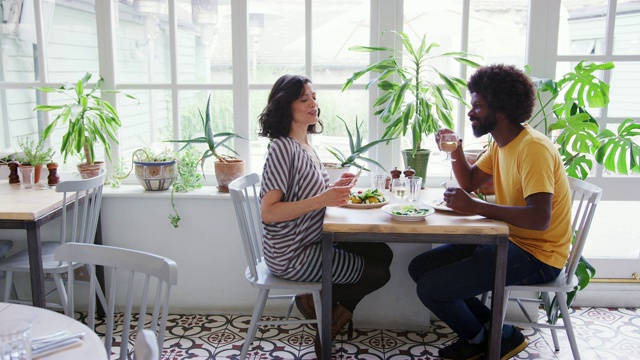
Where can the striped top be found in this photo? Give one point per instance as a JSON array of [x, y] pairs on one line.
[[292, 170]]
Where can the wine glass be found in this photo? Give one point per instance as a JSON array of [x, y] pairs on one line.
[[400, 189], [448, 144]]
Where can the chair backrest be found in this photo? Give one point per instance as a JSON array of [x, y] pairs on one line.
[[246, 201], [131, 271], [584, 198], [80, 218]]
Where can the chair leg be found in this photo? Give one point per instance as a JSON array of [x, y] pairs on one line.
[[317, 305], [564, 310], [8, 285], [253, 325], [62, 293], [554, 333]]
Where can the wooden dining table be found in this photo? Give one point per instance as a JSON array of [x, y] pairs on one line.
[[30, 209], [348, 224], [46, 322]]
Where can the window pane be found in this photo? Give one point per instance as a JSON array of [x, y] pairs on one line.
[[72, 45], [625, 78], [337, 26], [582, 27], [627, 29], [19, 119], [146, 122], [276, 39], [18, 37], [204, 42], [142, 38]]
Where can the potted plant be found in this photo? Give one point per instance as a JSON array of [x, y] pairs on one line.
[[227, 167], [155, 168], [34, 155], [409, 100], [580, 140], [89, 118], [356, 152], [188, 179]]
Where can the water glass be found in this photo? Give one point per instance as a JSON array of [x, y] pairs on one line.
[[26, 176], [379, 182], [15, 340], [415, 188]]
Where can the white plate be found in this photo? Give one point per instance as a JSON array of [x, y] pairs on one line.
[[437, 204], [366, 206], [389, 209]]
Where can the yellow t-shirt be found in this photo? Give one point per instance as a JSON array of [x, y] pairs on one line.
[[531, 164]]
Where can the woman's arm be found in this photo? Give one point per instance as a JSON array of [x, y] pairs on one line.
[[273, 209]]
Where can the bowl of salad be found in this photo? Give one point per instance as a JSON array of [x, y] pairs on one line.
[[403, 212]]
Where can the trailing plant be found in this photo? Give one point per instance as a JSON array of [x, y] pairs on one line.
[[356, 148], [188, 178]]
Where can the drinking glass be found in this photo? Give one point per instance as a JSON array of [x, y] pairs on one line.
[[379, 182], [26, 176], [415, 187], [448, 144], [15, 340], [400, 189]]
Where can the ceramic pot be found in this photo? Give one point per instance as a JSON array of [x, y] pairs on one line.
[[335, 171], [88, 171], [156, 176], [417, 162], [228, 171]]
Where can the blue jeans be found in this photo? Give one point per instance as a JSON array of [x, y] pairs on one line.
[[449, 278]]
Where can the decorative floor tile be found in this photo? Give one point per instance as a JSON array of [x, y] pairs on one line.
[[601, 334]]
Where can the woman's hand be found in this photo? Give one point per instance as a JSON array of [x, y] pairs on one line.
[[336, 195], [346, 179]]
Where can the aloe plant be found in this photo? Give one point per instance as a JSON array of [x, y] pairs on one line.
[[214, 141], [356, 148]]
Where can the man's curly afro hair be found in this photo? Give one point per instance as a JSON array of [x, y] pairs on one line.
[[506, 89]]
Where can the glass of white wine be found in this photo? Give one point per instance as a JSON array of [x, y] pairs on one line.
[[448, 144], [400, 189]]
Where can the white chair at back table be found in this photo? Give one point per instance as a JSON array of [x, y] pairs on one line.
[[585, 198], [246, 200], [79, 222], [132, 273]]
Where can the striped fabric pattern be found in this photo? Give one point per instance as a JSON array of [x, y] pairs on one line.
[[292, 248]]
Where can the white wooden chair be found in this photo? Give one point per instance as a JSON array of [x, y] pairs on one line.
[[585, 197], [78, 224], [127, 272], [246, 200]]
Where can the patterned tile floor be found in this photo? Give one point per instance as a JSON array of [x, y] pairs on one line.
[[602, 334]]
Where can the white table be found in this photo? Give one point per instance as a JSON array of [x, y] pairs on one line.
[[45, 322], [443, 227]]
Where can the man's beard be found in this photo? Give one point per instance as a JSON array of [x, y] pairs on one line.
[[485, 125]]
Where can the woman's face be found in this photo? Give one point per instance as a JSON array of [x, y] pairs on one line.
[[305, 109]]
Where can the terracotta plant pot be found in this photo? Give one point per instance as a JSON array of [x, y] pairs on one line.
[[88, 171], [228, 171]]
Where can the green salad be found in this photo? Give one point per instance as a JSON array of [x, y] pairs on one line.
[[368, 196], [410, 210]]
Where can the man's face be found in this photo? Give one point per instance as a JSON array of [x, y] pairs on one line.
[[483, 120]]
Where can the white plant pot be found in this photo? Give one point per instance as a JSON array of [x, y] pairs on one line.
[[335, 171]]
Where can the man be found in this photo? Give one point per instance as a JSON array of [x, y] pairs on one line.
[[532, 197]]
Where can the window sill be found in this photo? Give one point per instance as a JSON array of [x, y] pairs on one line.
[[137, 191]]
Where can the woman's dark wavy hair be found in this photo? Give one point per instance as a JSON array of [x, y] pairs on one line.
[[275, 120], [506, 89]]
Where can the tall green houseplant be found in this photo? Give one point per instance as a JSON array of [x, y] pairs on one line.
[[88, 117], [409, 101]]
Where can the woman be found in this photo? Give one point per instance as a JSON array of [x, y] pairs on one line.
[[294, 194]]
